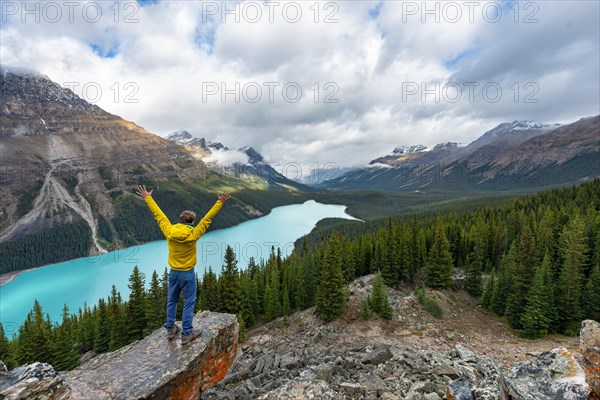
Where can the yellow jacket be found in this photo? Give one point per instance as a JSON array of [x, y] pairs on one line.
[[181, 238]]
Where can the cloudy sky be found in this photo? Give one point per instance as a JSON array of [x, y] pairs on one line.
[[316, 82]]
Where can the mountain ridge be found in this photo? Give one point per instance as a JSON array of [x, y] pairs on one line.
[[508, 156]]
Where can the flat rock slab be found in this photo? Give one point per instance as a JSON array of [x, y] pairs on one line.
[[156, 368]]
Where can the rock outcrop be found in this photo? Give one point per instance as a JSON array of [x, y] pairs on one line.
[[152, 368], [155, 368], [37, 381], [589, 340], [555, 374]]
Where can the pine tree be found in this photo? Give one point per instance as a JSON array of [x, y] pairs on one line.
[[209, 295], [5, 350], [102, 329], [34, 338], [63, 351], [155, 304], [116, 310], [536, 316], [286, 300], [486, 297], [438, 272], [476, 259], [300, 297], [229, 285], [504, 286], [136, 307], [416, 251], [273, 306], [390, 268], [331, 296], [348, 261], [247, 312], [379, 300], [573, 249], [592, 294]]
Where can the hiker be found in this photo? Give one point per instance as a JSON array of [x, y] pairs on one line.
[[181, 239]]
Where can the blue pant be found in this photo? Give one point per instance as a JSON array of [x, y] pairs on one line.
[[181, 281]]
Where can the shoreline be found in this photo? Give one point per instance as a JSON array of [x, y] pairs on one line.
[[9, 276]]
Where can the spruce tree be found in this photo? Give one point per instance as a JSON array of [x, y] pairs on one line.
[[504, 286], [229, 284], [390, 268], [573, 248], [5, 349], [286, 300], [274, 306], [65, 357], [331, 295], [535, 319], [379, 300], [118, 326], [155, 304], [592, 294], [486, 297], [209, 295], [102, 329], [136, 307], [439, 268], [476, 259], [247, 312]]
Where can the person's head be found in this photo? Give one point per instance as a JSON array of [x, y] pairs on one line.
[[187, 217]]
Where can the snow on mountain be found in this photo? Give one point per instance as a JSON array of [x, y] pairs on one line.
[[517, 131], [404, 150]]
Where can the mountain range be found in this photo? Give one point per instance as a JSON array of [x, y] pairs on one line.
[[244, 163], [511, 155], [69, 170]]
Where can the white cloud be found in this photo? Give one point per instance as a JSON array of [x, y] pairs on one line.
[[176, 51], [227, 157]]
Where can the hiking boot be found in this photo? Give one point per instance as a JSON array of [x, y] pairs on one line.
[[185, 339], [172, 331]]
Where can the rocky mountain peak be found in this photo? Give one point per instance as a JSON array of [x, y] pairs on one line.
[[179, 135], [404, 150], [517, 131], [217, 146], [28, 94], [254, 157], [446, 146]]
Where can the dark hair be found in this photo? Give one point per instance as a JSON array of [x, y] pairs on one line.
[[187, 217]]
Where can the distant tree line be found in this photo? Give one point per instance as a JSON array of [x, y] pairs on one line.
[[534, 260], [61, 243]]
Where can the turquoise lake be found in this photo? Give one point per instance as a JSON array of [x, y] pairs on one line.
[[89, 279]]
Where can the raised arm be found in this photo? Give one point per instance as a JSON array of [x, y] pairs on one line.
[[207, 220], [163, 222]]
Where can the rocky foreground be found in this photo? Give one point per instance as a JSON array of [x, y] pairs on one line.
[[151, 368], [467, 355]]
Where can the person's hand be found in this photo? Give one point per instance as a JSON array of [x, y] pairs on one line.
[[143, 192], [224, 197]]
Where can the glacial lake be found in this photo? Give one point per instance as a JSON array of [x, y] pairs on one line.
[[89, 279]]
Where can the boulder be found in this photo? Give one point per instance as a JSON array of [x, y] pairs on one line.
[[37, 381], [589, 345], [156, 368], [459, 389], [354, 390], [377, 356], [554, 375]]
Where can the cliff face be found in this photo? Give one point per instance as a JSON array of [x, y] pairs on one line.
[[68, 155], [151, 368]]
